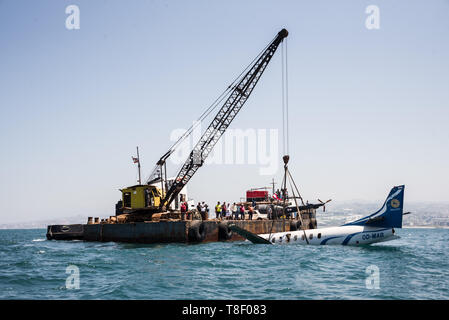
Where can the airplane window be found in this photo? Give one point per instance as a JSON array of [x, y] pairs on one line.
[[295, 237], [273, 240], [319, 235], [302, 237], [311, 236]]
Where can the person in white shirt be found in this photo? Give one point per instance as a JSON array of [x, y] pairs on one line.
[[203, 211], [234, 211], [228, 212]]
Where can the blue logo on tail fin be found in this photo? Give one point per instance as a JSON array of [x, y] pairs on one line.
[[390, 215]]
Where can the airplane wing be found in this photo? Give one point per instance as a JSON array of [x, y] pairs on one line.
[[254, 238]]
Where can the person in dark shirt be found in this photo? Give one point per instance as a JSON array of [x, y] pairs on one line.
[[223, 210], [183, 211], [242, 212]]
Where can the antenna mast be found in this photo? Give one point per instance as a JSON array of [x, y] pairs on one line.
[[138, 166]]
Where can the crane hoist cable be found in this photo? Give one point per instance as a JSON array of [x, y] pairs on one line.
[[285, 116], [283, 99], [286, 94]]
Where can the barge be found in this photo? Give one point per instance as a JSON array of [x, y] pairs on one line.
[[175, 231]]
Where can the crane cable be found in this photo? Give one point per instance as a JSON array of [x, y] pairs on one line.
[[285, 128], [286, 92]]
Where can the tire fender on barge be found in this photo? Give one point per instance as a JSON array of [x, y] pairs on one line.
[[224, 232], [197, 231]]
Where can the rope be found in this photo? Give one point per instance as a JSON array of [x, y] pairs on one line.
[[283, 100], [286, 92], [285, 117], [297, 207], [302, 201]]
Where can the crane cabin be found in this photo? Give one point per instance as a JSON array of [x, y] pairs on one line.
[[141, 197], [148, 198]]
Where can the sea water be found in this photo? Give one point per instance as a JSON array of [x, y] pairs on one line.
[[413, 267]]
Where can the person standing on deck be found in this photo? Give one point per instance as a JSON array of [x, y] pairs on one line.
[[242, 211], [223, 210], [234, 211], [218, 210], [183, 210], [228, 212], [203, 211], [188, 213], [270, 212], [250, 213]]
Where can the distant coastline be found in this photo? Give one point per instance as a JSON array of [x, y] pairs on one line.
[[6, 227], [425, 227]]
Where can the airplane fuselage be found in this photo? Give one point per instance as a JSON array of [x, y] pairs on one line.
[[344, 235]]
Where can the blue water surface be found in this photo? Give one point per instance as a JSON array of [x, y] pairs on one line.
[[413, 267]]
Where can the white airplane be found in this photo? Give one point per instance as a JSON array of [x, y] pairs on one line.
[[377, 227]]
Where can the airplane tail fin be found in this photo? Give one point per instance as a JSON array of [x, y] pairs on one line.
[[390, 215]]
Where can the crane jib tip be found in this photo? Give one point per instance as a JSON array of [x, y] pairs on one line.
[[283, 33]]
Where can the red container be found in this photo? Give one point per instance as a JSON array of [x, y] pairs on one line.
[[256, 195]]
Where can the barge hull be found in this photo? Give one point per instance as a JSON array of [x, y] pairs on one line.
[[169, 231]]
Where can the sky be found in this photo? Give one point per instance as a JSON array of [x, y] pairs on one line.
[[368, 108]]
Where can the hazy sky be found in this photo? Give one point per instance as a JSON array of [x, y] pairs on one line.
[[369, 109]]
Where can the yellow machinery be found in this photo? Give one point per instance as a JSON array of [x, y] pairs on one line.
[[141, 197]]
